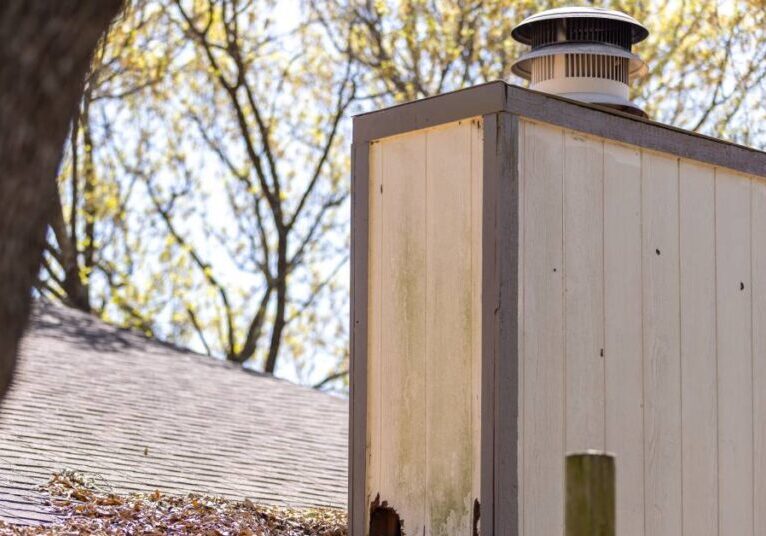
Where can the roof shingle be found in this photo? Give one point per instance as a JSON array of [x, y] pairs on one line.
[[142, 415]]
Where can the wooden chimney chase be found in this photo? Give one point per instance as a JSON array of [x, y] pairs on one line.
[[534, 276]]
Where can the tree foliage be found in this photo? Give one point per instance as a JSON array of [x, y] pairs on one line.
[[707, 59], [204, 196], [89, 240]]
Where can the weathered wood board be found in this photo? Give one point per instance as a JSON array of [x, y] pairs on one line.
[[641, 308], [424, 322], [643, 319]]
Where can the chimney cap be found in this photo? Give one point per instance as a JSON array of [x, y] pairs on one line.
[[523, 66], [523, 32]]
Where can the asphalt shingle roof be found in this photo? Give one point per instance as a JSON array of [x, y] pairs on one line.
[[141, 416]]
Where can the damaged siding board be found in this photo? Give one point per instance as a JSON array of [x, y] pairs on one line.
[[402, 322], [449, 325], [477, 171], [374, 336], [423, 345]]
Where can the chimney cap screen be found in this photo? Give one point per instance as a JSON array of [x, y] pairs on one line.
[[524, 32], [636, 66]]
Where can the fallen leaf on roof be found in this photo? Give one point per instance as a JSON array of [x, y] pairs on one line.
[[83, 507]]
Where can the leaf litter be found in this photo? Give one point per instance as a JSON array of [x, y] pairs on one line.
[[83, 506]]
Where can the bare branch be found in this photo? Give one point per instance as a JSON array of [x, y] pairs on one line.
[[198, 329], [331, 378]]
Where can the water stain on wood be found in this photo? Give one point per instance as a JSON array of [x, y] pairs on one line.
[[384, 521]]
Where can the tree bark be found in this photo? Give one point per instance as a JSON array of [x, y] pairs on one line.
[[279, 316], [45, 52]]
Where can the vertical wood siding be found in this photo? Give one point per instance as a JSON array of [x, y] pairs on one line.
[[643, 331], [424, 326], [735, 359], [542, 342], [523, 155], [623, 335], [661, 359], [758, 196], [699, 378]]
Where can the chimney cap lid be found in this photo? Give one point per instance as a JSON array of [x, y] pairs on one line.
[[523, 32]]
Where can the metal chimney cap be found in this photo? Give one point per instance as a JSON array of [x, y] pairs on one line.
[[523, 66], [523, 32]]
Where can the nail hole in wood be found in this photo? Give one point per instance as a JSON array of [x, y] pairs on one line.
[[384, 521], [657, 251], [741, 286]]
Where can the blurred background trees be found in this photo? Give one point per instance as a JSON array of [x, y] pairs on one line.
[[204, 192], [707, 59]]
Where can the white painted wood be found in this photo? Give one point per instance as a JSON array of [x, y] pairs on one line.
[[758, 226], [449, 314], [374, 338], [477, 184], [632, 251], [661, 347], [424, 318], [622, 325], [734, 334], [403, 352], [583, 292], [698, 349], [521, 440], [543, 352]]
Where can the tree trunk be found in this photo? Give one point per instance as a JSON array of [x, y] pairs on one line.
[[45, 52], [75, 293], [279, 316]]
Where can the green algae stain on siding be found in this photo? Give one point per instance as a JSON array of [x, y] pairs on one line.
[[451, 478], [449, 325], [426, 361], [403, 367], [410, 412]]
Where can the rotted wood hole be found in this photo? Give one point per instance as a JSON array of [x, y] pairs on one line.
[[384, 521], [476, 517]]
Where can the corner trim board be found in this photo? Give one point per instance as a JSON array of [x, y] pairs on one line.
[[358, 360], [500, 254], [430, 112]]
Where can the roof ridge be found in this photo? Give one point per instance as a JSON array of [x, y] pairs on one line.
[[44, 306]]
